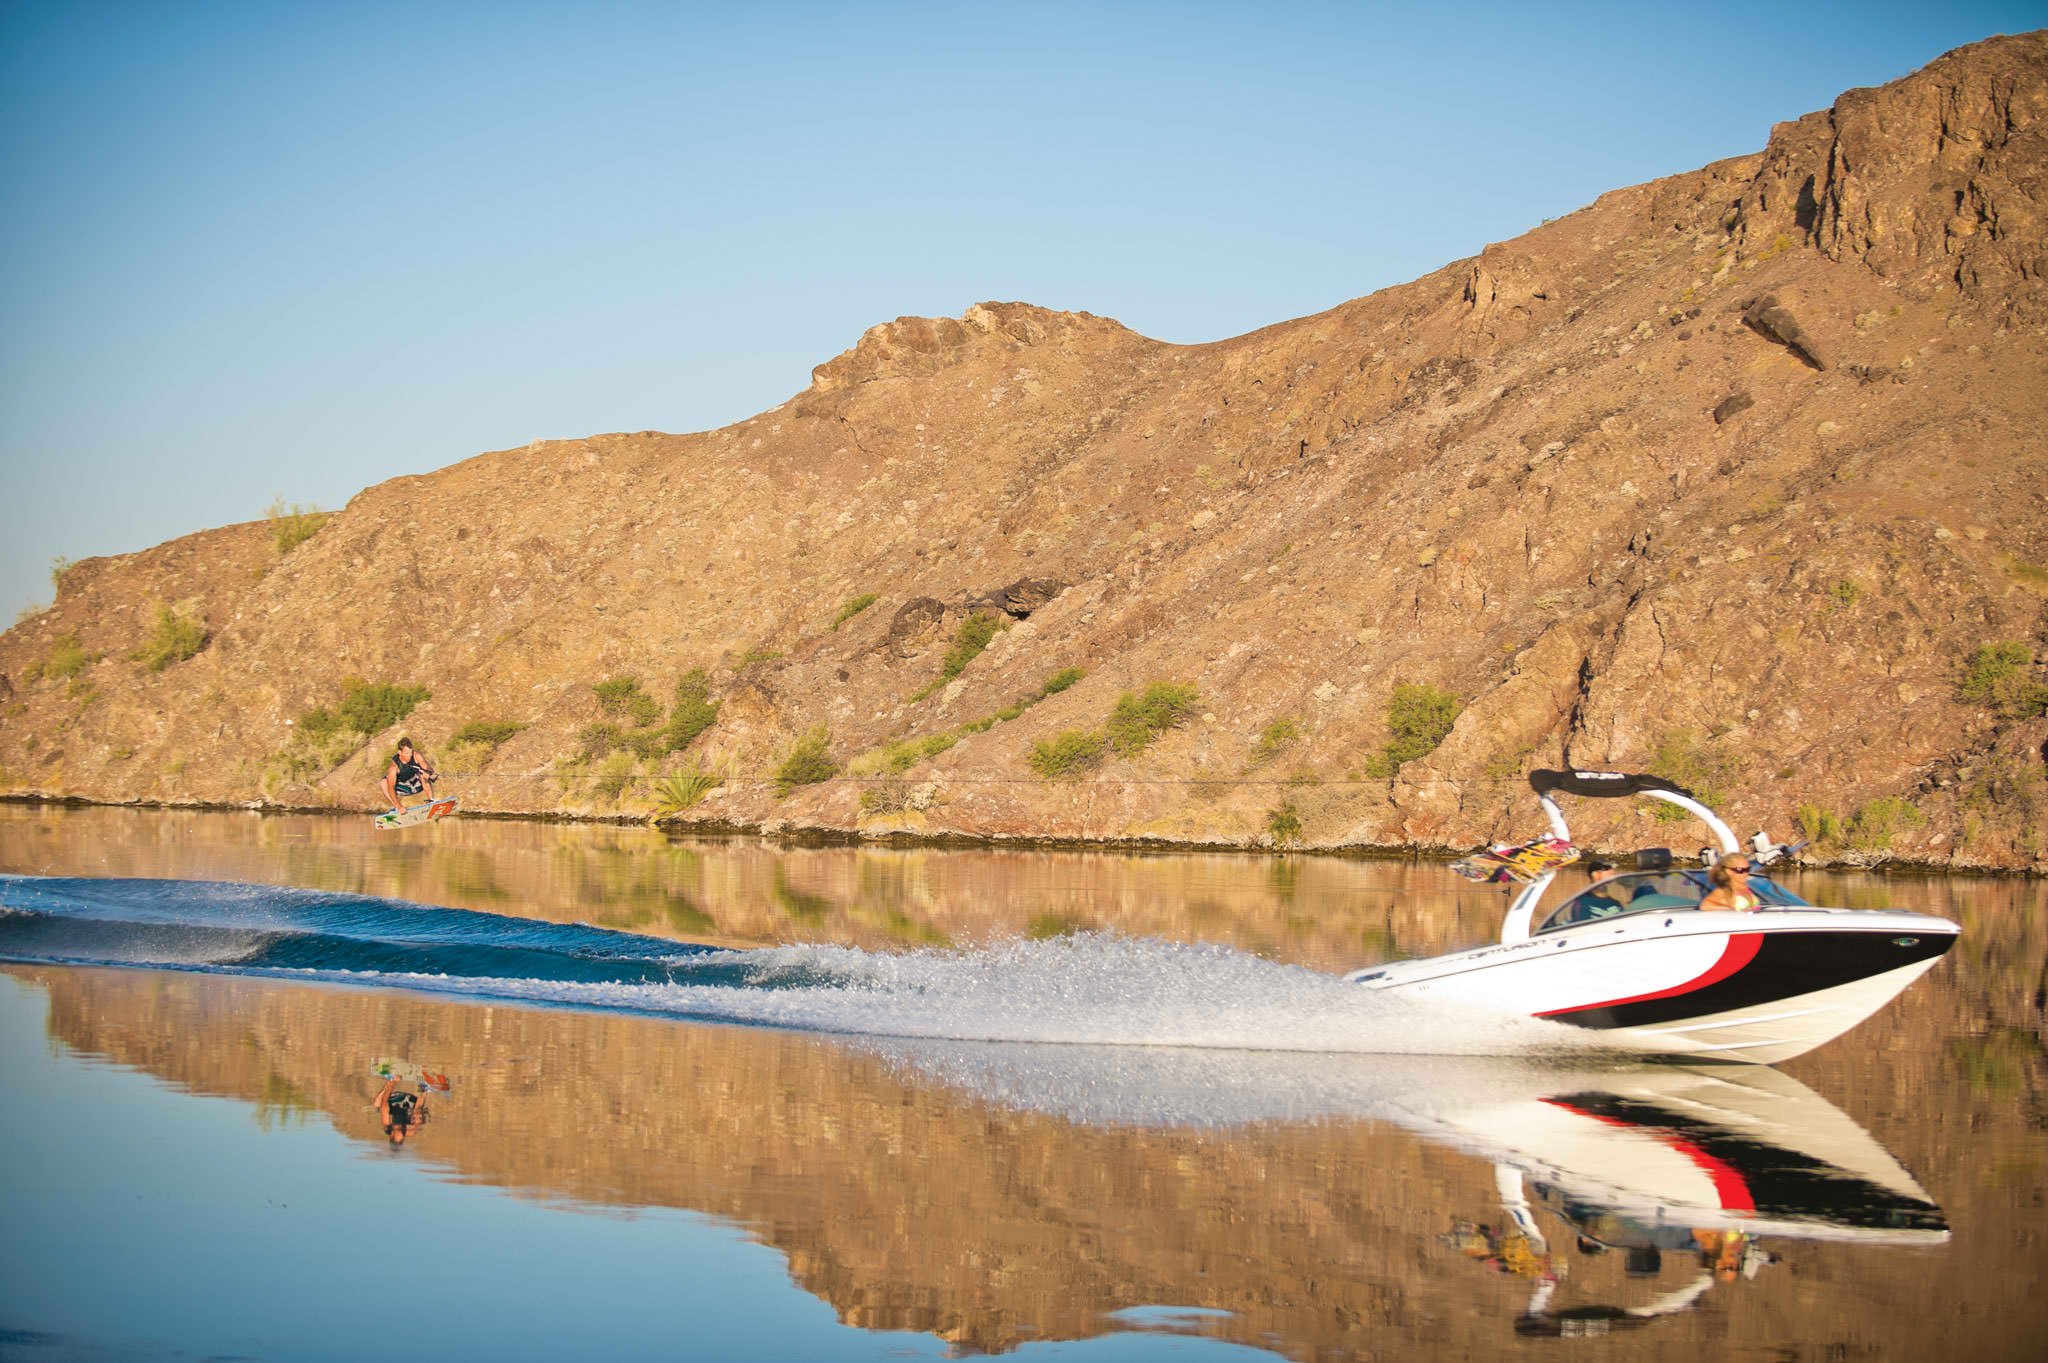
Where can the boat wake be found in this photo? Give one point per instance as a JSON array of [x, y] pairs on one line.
[[1092, 989]]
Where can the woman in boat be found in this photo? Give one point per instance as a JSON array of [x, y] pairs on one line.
[[1731, 892]]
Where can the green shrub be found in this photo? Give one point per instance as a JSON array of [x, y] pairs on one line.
[[67, 658], [693, 712], [484, 733], [319, 724], [1047, 926], [596, 740], [1138, 720], [1072, 753], [1273, 738], [1420, 716], [759, 655], [1845, 592], [1682, 756], [645, 744], [973, 636], [808, 763], [682, 791], [291, 528], [614, 776], [59, 566], [1996, 677], [177, 638], [853, 606], [1871, 827], [372, 707], [1820, 827], [621, 697], [1283, 825], [1060, 681]]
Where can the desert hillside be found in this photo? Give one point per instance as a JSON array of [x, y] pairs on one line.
[[1737, 475]]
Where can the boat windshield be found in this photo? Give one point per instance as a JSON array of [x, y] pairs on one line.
[[1644, 891]]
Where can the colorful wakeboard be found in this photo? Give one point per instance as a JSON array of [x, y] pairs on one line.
[[1517, 862], [406, 1072], [406, 818]]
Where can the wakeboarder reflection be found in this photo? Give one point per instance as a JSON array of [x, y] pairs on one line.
[[400, 1110]]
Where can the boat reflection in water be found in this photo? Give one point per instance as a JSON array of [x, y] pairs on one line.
[[1702, 1164]]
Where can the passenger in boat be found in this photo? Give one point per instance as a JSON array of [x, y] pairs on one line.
[[399, 1111], [1731, 892], [1598, 904]]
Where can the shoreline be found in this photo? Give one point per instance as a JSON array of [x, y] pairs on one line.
[[802, 836]]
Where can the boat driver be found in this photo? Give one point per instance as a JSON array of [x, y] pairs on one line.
[[409, 780], [1598, 903], [1731, 892]]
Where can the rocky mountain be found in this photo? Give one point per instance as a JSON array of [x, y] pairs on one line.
[[1737, 476]]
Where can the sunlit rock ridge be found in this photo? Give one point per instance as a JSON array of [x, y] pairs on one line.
[[1729, 474]]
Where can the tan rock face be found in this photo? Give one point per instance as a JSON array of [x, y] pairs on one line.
[[1525, 478]]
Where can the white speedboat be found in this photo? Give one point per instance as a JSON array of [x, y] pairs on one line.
[[1635, 957]]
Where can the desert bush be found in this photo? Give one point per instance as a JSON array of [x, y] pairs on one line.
[[1138, 720], [1820, 827], [1684, 757], [614, 775], [319, 724], [1872, 825], [485, 732], [809, 762], [1070, 754], [968, 644], [1996, 676], [67, 658], [1283, 825], [622, 698], [853, 606], [1845, 592], [1060, 681], [693, 712], [177, 638], [1273, 738], [59, 566], [372, 707], [290, 528], [674, 794], [1420, 716], [597, 740]]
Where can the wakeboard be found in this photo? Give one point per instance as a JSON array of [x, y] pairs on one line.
[[406, 818], [406, 1072], [1517, 862]]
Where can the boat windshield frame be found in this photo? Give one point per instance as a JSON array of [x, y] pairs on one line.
[[1670, 891]]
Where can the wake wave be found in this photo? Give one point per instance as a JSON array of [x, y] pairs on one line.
[[1093, 989]]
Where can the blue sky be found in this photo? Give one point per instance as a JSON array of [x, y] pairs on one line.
[[255, 251]]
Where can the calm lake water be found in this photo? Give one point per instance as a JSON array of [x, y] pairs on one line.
[[719, 1099]]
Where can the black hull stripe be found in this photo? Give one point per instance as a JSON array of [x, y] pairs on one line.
[[1786, 965]]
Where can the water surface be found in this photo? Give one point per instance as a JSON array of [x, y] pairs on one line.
[[904, 1126]]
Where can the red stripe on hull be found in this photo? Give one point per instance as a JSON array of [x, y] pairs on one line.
[[1729, 1184], [1739, 952]]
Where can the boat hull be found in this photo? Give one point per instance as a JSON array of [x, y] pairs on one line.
[[1760, 987]]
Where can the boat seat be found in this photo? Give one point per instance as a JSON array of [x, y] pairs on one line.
[[1660, 901]]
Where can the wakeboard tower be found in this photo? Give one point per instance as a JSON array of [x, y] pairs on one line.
[[1635, 958]]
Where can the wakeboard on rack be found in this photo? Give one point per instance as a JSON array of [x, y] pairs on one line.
[[1517, 862], [406, 818]]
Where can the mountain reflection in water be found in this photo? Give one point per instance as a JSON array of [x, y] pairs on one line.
[[1001, 1195]]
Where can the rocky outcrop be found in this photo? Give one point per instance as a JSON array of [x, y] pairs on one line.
[[1731, 474]]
